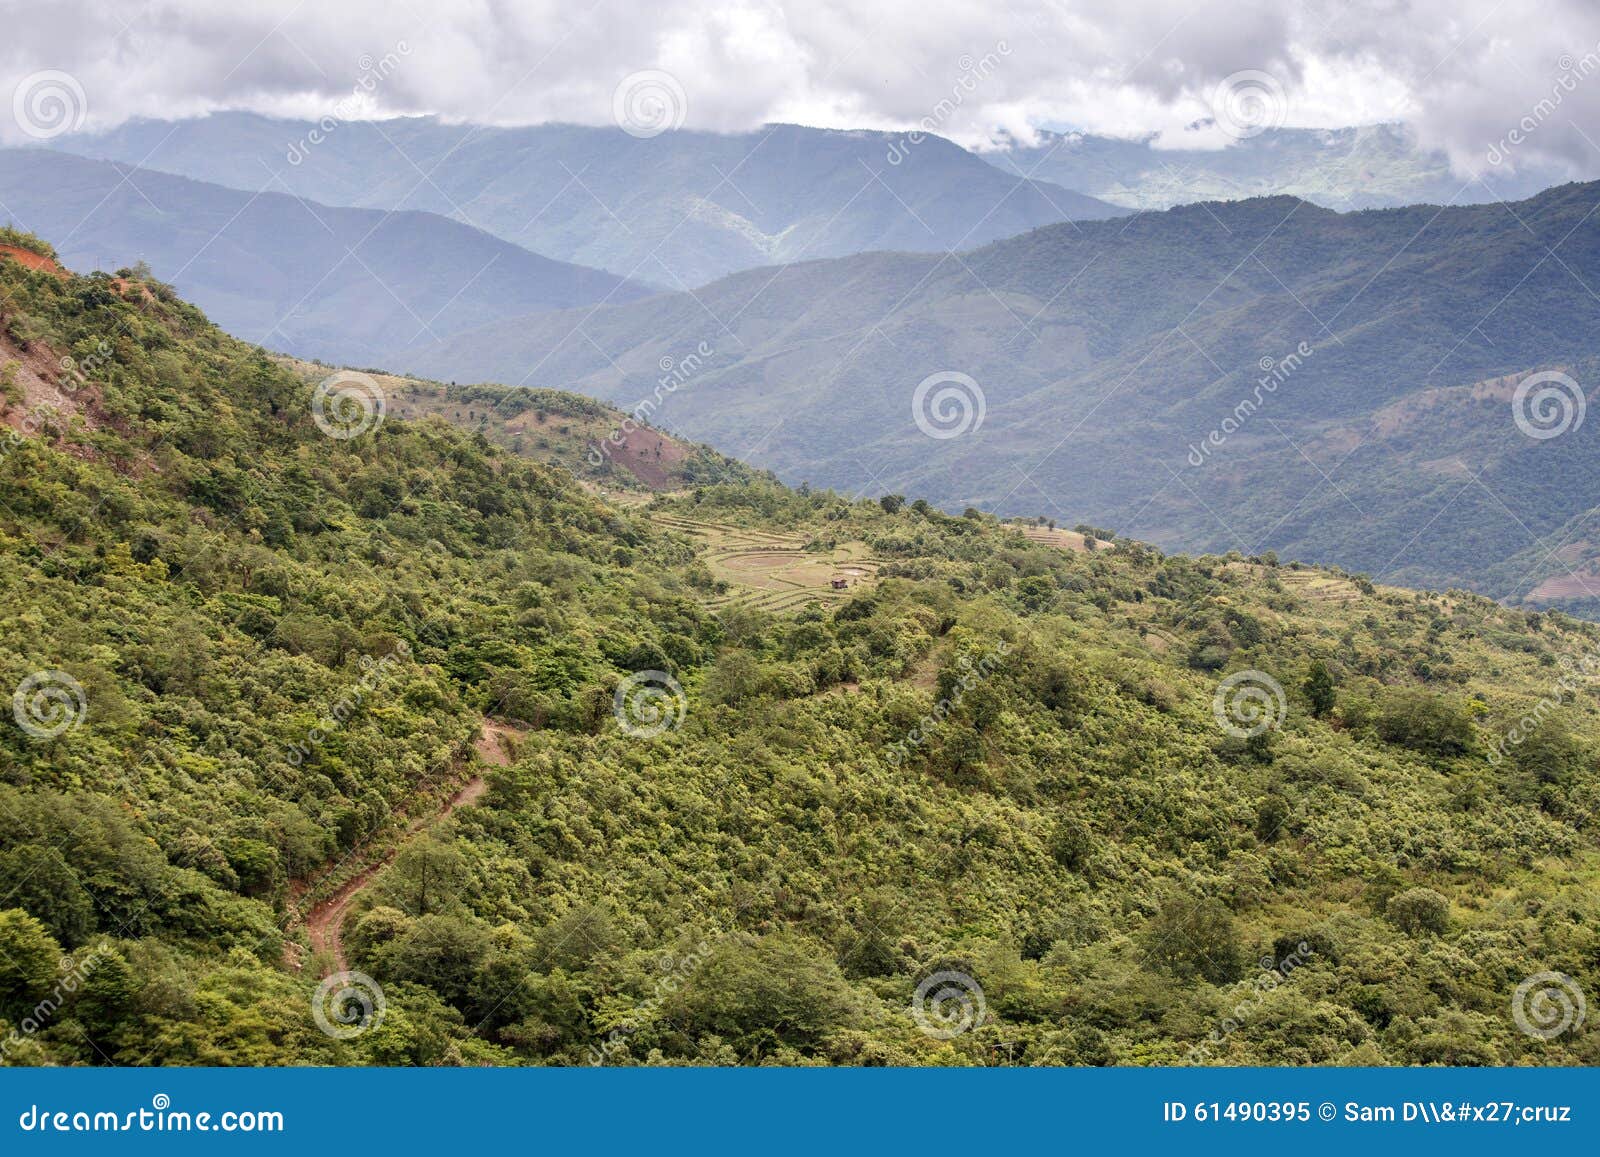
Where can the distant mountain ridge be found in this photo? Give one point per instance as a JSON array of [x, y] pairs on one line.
[[346, 285], [679, 209], [1366, 167], [1105, 351]]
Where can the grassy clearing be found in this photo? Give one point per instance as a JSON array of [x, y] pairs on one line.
[[775, 571]]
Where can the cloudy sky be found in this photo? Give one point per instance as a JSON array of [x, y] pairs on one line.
[[1463, 73]]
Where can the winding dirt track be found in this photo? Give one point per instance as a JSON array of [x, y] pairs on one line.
[[325, 921]]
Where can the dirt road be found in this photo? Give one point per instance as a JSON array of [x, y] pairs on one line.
[[325, 921]]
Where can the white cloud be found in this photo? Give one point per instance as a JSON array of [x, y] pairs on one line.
[[1464, 73]]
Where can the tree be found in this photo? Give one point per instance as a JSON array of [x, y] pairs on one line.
[[29, 957], [1191, 936], [35, 878], [1319, 689], [443, 953], [1420, 911], [1427, 723], [892, 503], [781, 988]]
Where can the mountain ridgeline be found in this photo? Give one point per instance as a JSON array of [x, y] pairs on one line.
[[353, 286], [676, 209], [1368, 167], [255, 633], [1256, 375]]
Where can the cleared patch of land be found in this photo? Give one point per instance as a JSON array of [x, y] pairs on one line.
[[776, 572], [1054, 536]]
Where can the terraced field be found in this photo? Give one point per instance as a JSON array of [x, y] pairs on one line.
[[1054, 536], [1319, 587], [776, 572]]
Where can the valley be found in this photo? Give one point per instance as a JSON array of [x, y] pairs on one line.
[[1100, 354], [749, 539], [1098, 780]]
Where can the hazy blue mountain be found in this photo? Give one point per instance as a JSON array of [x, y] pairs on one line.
[[680, 209], [1108, 351], [348, 285], [1376, 166]]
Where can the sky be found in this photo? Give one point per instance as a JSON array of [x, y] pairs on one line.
[[1471, 77]]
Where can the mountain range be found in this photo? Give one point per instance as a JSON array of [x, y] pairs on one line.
[[311, 695], [1362, 167], [678, 209], [352, 285], [1106, 352]]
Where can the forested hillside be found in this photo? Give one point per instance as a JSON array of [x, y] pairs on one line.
[[1256, 375], [984, 799]]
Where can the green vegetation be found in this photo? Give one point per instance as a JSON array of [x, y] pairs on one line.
[[285, 643], [596, 442], [16, 238], [1358, 370]]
